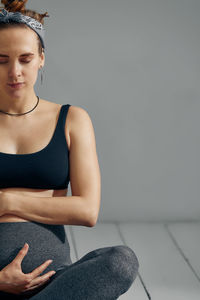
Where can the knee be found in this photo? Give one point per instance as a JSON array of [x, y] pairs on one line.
[[123, 264]]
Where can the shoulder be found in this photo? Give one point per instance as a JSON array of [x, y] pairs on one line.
[[78, 121], [78, 124], [77, 116]]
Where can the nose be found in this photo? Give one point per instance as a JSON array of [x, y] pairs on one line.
[[15, 70]]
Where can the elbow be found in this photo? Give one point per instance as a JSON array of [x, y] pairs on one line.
[[92, 219], [92, 213], [92, 223]]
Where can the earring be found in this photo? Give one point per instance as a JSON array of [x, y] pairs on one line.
[[42, 73]]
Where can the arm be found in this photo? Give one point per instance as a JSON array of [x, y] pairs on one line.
[[49, 210], [83, 206]]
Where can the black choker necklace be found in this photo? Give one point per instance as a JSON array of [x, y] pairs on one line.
[[22, 113]]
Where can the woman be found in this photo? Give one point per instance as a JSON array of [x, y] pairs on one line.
[[43, 145]]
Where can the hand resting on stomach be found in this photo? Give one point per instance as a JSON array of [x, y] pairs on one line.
[[29, 192]]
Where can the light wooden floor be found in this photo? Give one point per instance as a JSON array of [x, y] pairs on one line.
[[168, 255]]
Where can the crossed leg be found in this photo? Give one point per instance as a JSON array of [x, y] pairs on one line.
[[104, 273]]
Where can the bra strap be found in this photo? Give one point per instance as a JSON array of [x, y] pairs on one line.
[[64, 112]]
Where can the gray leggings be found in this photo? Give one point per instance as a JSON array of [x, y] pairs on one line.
[[104, 273]]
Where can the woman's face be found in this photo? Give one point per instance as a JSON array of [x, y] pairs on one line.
[[19, 60]]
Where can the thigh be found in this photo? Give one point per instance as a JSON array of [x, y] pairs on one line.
[[104, 273], [71, 273]]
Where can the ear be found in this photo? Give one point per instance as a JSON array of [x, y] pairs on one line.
[[42, 59]]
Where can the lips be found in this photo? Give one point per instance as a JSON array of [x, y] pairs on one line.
[[15, 85]]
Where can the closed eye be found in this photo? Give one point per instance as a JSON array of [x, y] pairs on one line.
[[5, 62]]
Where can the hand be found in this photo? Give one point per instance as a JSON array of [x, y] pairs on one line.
[[14, 281]]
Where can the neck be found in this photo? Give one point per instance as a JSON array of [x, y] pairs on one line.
[[18, 104]]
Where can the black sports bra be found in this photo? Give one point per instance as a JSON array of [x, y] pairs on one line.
[[44, 169]]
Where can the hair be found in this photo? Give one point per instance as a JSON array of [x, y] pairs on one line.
[[19, 6]]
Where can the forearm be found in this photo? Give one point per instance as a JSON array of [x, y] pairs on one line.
[[71, 210]]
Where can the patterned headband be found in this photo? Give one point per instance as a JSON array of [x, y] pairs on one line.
[[8, 17]]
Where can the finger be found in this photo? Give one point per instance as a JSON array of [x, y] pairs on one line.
[[36, 285], [41, 268], [39, 280], [22, 253]]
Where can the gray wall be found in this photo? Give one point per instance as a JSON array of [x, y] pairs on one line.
[[134, 67]]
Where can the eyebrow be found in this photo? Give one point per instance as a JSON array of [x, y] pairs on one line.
[[24, 54]]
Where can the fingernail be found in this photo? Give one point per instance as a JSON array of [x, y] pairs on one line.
[[50, 261]]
